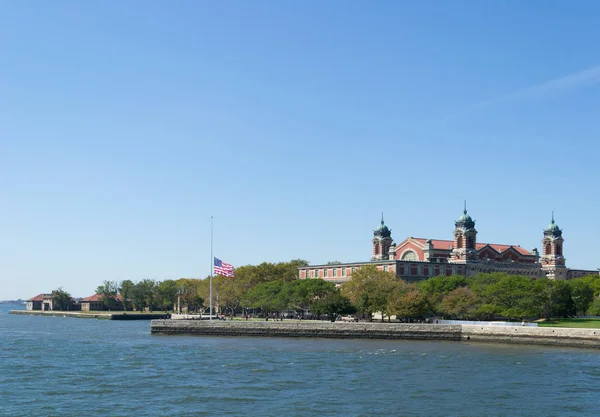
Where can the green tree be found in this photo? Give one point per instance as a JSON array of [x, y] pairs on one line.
[[267, 296], [301, 294], [369, 290], [510, 296], [166, 294], [288, 271], [441, 285], [108, 293], [594, 308], [461, 303], [408, 302], [582, 294], [125, 291], [594, 282], [333, 304], [435, 288], [563, 305], [228, 293], [142, 294], [189, 291], [62, 300], [553, 298]]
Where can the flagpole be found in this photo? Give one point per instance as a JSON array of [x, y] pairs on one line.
[[212, 263]]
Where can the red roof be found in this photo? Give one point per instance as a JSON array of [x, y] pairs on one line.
[[446, 245], [97, 298], [39, 297], [437, 243], [502, 248]]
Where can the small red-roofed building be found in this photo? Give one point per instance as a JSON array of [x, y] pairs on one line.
[[95, 303], [35, 303]]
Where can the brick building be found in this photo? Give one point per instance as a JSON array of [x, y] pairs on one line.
[[416, 259], [96, 303]]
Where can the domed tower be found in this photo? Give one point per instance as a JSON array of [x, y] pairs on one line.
[[465, 239], [382, 241], [553, 261]]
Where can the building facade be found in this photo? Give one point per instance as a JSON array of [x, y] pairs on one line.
[[96, 303], [35, 303], [416, 259]]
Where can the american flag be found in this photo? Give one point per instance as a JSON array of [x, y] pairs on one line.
[[222, 268]]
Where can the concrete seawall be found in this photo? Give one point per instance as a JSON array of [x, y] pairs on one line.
[[586, 338], [306, 329], [91, 315], [76, 314], [549, 336]]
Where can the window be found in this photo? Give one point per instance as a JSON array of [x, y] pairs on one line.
[[385, 268], [335, 272], [409, 256]]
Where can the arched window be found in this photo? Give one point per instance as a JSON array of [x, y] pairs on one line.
[[548, 249], [559, 250], [470, 242], [459, 242], [409, 256]]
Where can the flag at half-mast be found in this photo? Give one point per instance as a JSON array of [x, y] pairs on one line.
[[223, 268]]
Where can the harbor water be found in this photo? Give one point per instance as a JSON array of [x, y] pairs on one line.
[[55, 366]]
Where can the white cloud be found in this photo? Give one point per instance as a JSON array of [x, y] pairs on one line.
[[573, 81]]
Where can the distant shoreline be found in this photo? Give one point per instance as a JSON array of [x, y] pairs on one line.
[[546, 336]]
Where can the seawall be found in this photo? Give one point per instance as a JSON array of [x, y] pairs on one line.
[[549, 336], [565, 337], [338, 330], [91, 315]]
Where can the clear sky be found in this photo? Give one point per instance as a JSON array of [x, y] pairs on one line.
[[124, 125]]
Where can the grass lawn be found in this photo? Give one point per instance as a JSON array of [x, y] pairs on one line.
[[580, 323]]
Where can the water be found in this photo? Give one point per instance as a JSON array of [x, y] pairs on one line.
[[54, 366]]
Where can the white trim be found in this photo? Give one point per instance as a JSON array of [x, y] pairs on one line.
[[409, 260]]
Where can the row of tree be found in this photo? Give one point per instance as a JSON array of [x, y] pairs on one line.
[[481, 297], [275, 288], [190, 294]]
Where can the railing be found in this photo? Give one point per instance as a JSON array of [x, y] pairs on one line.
[[486, 323]]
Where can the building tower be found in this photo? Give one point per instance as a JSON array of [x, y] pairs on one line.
[[553, 261], [465, 239], [382, 241]]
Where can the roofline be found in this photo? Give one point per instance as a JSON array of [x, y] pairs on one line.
[[387, 261]]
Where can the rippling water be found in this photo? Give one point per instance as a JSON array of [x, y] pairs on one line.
[[54, 366]]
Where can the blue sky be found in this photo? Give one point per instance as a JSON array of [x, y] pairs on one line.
[[125, 125]]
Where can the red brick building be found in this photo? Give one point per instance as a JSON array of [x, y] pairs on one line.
[[96, 303], [420, 258], [35, 303], [43, 302]]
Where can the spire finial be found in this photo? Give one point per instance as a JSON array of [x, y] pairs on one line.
[[552, 216], [465, 210], [382, 217]]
